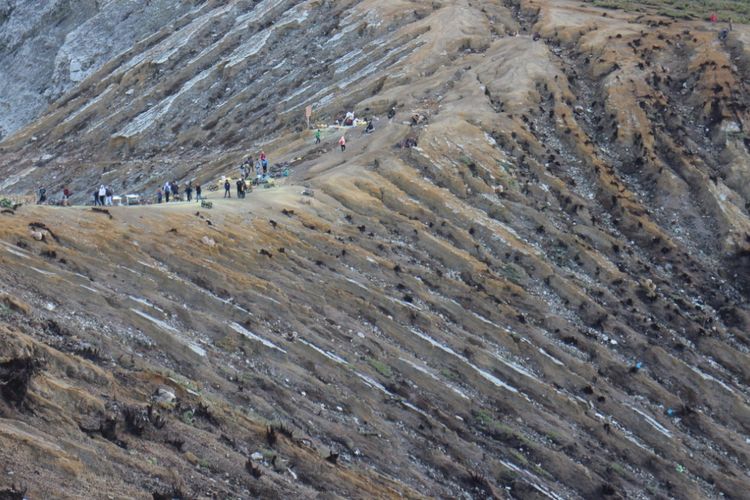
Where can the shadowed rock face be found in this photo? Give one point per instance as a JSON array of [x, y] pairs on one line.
[[545, 297], [49, 46]]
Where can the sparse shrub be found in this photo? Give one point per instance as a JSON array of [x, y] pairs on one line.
[[381, 367]]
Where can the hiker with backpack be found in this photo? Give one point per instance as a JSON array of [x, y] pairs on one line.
[[42, 195], [240, 188], [167, 191], [108, 196], [175, 191]]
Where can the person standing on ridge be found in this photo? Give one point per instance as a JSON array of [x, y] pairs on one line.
[[109, 196], [167, 191], [198, 192], [189, 190], [227, 189], [175, 191], [240, 190], [102, 194], [159, 195], [42, 195], [264, 162], [66, 197], [342, 143]]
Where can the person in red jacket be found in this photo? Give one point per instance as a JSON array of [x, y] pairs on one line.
[[342, 143], [264, 162]]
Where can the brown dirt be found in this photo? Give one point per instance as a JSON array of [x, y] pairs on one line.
[[547, 297]]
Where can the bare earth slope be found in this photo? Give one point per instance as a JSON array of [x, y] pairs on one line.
[[546, 297]]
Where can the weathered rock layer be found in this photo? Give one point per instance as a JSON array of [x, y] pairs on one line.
[[546, 296]]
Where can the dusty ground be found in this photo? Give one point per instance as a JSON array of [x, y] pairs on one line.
[[547, 297]]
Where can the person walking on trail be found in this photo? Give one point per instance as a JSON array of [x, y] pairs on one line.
[[108, 197], [317, 136], [342, 143], [227, 189], [102, 194], [175, 191], [159, 195], [198, 192], [189, 191], [264, 162], [96, 197], [240, 188], [42, 195], [167, 191]]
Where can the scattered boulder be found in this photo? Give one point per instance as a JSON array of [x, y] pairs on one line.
[[164, 396]]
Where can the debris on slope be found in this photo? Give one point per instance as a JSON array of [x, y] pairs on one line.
[[543, 295]]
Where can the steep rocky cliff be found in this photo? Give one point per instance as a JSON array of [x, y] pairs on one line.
[[530, 281]]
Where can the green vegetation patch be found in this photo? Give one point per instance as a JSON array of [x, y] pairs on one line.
[[381, 367]]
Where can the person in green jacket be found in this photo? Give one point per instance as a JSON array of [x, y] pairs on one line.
[[317, 136]]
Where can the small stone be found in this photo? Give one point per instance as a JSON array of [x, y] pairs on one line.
[[257, 456]]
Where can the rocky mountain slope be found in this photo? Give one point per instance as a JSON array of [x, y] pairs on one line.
[[536, 288]]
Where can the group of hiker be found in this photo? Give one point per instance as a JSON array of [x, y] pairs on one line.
[[103, 196], [348, 121], [64, 201], [260, 165], [243, 185], [171, 191], [242, 188]]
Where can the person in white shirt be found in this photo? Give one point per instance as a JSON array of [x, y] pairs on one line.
[[102, 194]]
